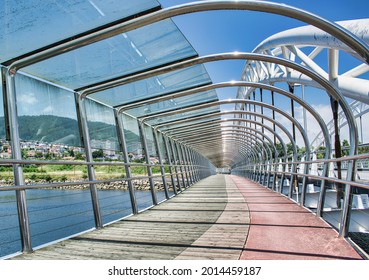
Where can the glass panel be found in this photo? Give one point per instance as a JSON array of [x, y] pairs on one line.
[[9, 225], [30, 25], [176, 103], [114, 203], [133, 142], [151, 145], [154, 86], [166, 163], [56, 213], [182, 116], [162, 148], [47, 115], [101, 126], [2, 120], [144, 198], [120, 55], [189, 123]]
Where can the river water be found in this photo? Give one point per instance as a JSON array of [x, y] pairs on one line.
[[56, 214]]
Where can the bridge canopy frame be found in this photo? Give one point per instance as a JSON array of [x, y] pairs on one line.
[[194, 103]]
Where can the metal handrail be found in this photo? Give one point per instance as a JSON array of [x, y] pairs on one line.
[[76, 183]]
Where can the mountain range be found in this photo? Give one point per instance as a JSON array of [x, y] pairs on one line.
[[62, 130]]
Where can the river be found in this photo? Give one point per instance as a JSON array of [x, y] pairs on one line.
[[56, 214]]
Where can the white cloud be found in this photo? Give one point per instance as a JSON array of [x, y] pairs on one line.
[[48, 110], [28, 98], [313, 128]]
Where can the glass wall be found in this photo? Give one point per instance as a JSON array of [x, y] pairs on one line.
[[136, 156], [42, 119], [132, 135], [102, 129], [9, 225], [113, 197]]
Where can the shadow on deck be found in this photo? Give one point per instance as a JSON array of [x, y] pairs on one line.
[[221, 217]]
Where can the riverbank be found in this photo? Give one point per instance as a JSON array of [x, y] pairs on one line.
[[139, 184]]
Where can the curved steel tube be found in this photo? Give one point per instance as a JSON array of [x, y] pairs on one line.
[[243, 101], [258, 115], [330, 88], [241, 130], [260, 124], [275, 8], [220, 139], [258, 151]]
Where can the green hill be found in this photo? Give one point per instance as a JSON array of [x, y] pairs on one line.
[[61, 130]]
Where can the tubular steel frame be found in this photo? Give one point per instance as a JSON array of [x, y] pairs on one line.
[[184, 153]]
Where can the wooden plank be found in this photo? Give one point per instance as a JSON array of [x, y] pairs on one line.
[[210, 220]]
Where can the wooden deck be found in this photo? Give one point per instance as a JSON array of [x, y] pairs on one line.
[[221, 217], [207, 221]]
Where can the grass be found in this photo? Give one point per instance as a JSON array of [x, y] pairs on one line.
[[61, 173]]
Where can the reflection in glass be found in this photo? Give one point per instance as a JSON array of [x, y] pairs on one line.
[[154, 86], [131, 133], [30, 25], [151, 145], [183, 116], [102, 129], [46, 114], [2, 120], [175, 103], [117, 56]]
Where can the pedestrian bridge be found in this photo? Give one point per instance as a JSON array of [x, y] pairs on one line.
[[116, 143], [220, 217]]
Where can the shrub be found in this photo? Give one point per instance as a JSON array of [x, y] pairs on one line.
[[48, 178]]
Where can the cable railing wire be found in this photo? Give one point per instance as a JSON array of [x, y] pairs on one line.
[[49, 227]]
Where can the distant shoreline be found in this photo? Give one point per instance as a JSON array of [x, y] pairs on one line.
[[141, 185]]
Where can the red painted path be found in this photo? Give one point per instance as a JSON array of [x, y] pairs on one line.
[[281, 229]]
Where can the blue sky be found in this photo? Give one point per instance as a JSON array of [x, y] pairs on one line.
[[227, 31]]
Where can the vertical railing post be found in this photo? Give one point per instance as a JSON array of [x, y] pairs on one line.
[[12, 116], [194, 168], [323, 187], [162, 170], [190, 165], [201, 169], [196, 162], [181, 162], [198, 174], [147, 158], [82, 116], [185, 162], [170, 164], [175, 162], [123, 149]]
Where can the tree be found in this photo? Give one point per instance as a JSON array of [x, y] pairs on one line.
[[71, 153], [321, 152], [98, 153], [79, 156], [345, 148], [364, 150], [24, 153]]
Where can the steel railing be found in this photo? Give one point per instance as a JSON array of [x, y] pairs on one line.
[[47, 209]]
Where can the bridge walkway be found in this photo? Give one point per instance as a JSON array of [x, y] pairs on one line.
[[220, 217]]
